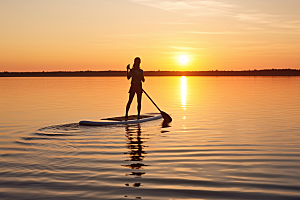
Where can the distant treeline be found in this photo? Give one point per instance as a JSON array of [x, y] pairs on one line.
[[88, 73]]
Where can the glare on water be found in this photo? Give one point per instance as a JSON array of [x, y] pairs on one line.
[[183, 92]]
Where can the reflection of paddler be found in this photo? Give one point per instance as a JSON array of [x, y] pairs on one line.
[[137, 77], [135, 146], [135, 166]]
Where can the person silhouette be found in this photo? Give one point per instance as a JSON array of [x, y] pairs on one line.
[[137, 77]]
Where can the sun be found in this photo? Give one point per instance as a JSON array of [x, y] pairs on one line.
[[183, 59]]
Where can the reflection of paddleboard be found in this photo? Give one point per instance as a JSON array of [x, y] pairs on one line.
[[132, 119]]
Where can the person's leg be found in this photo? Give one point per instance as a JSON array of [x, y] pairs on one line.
[[139, 102], [131, 95]]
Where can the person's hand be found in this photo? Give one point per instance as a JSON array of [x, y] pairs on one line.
[[128, 66]]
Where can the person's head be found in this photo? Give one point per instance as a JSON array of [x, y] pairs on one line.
[[137, 62]]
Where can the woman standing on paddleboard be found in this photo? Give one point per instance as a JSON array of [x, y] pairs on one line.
[[137, 76]]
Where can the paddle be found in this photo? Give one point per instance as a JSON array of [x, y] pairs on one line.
[[166, 117]]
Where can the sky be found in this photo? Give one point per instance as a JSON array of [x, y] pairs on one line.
[[79, 35]]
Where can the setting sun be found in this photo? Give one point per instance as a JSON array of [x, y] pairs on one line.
[[183, 59]]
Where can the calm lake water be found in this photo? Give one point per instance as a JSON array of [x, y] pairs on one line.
[[231, 138]]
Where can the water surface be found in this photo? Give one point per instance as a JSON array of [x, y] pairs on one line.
[[231, 138]]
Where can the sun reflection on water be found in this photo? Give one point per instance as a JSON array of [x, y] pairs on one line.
[[183, 92]]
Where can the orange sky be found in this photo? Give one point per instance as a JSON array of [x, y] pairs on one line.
[[52, 35]]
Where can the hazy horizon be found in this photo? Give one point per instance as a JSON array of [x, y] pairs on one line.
[[150, 70]]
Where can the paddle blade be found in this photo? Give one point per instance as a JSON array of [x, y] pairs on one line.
[[165, 124], [166, 117]]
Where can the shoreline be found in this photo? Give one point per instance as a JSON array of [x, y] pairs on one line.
[[265, 72]]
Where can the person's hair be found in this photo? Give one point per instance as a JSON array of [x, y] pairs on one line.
[[136, 63]]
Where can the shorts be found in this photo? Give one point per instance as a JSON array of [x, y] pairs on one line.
[[135, 88]]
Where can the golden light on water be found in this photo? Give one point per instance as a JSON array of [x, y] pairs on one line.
[[183, 92]]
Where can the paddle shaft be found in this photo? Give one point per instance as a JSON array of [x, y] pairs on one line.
[[152, 100]]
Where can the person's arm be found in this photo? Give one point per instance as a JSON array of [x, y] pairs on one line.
[[128, 72], [143, 78]]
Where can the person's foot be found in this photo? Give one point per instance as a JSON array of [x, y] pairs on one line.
[[138, 117]]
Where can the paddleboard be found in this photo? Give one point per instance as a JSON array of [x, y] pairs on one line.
[[132, 119]]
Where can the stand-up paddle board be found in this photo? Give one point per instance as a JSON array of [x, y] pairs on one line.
[[132, 119]]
